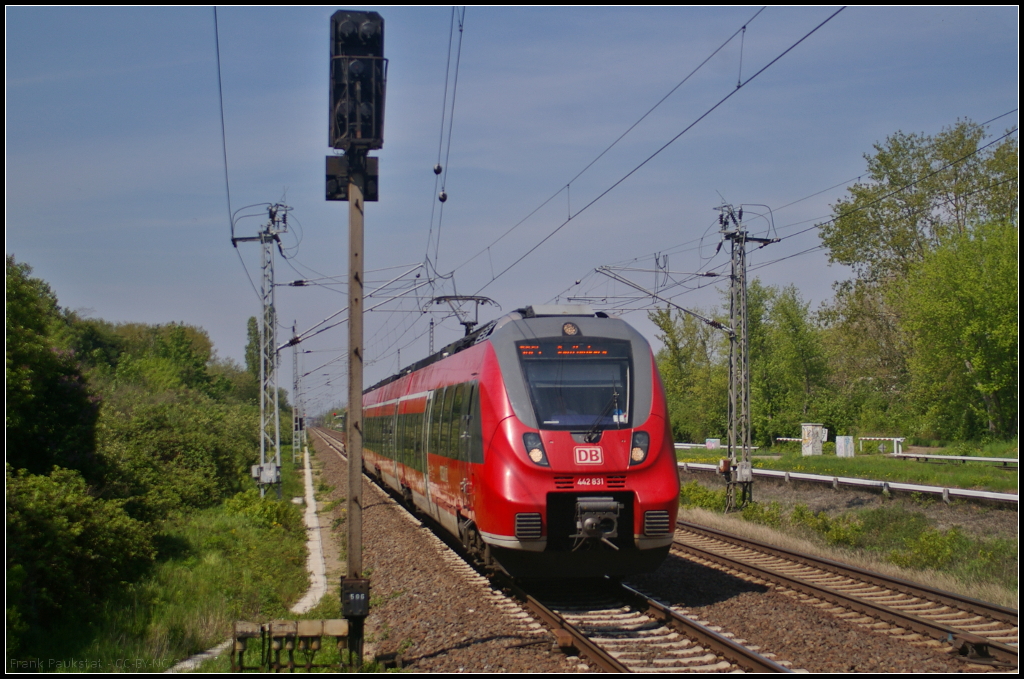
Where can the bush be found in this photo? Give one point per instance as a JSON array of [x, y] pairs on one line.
[[170, 451], [695, 495], [265, 512], [933, 549], [842, 530], [768, 515], [50, 414], [66, 550]]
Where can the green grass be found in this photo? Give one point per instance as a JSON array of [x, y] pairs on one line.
[[293, 476], [980, 476], [893, 533], [243, 560]]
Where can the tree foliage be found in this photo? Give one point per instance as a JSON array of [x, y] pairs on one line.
[[959, 307], [50, 415], [787, 363], [695, 375], [917, 338], [252, 348], [174, 451], [787, 360], [111, 429], [66, 549], [922, 191]]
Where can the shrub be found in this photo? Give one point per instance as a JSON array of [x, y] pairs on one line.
[[67, 550], [932, 549], [693, 494], [768, 515], [266, 512], [841, 530]]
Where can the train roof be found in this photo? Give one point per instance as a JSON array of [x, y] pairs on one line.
[[482, 333]]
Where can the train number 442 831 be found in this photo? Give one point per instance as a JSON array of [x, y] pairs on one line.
[[590, 481]]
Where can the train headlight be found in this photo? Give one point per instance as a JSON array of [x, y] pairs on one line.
[[641, 444], [535, 449]]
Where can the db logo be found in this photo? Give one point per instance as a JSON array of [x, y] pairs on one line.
[[589, 455]]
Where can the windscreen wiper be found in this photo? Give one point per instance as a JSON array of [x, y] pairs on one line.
[[592, 436]]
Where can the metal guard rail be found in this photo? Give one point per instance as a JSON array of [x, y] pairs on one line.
[[884, 486]]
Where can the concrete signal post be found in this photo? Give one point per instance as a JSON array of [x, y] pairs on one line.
[[356, 126]]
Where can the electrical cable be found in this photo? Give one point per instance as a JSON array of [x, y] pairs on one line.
[[666, 145], [438, 168], [674, 250], [224, 149], [617, 140]]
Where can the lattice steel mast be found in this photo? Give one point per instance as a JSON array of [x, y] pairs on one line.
[[268, 472], [739, 475]]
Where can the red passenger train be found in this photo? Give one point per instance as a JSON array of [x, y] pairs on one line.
[[541, 440]]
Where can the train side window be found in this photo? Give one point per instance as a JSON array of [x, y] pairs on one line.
[[368, 443], [406, 440], [400, 438], [446, 422], [428, 426]]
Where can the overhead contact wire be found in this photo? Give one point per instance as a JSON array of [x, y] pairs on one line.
[[665, 146], [440, 136], [617, 140]]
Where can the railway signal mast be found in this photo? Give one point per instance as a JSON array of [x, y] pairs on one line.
[[268, 471], [737, 469], [355, 127]]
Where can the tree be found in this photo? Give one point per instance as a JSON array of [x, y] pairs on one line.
[[51, 415], [252, 348], [925, 195], [694, 368], [787, 362], [922, 191], [959, 306]]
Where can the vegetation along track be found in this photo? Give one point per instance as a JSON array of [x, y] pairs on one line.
[[979, 631]]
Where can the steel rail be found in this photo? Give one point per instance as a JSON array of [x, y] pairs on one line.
[[570, 635], [722, 645], [566, 634], [975, 647], [965, 603]]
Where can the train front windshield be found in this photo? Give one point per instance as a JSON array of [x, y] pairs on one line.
[[579, 385]]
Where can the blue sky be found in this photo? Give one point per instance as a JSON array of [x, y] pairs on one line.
[[115, 175]]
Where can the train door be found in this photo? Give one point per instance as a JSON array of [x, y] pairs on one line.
[[469, 422], [391, 441], [432, 402], [451, 473], [436, 471]]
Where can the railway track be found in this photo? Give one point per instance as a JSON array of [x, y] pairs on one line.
[[619, 629], [978, 631], [624, 630]]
